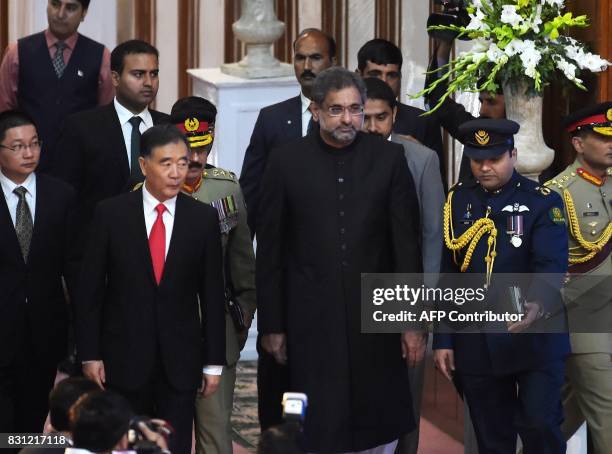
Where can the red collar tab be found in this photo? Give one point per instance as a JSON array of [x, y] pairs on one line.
[[590, 177], [191, 189]]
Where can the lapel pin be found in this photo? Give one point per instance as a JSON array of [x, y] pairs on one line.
[[79, 73]]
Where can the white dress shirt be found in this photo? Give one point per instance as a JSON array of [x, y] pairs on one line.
[[12, 199], [126, 127], [306, 115], [150, 214]]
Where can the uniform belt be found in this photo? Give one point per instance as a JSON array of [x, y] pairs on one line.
[[581, 268]]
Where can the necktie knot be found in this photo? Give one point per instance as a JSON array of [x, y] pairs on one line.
[[160, 209], [135, 122], [20, 191], [60, 46]]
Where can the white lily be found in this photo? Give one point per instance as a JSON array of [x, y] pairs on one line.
[[510, 16]]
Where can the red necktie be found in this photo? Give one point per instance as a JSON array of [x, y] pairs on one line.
[[157, 243]]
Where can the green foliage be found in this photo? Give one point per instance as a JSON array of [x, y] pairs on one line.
[[517, 41]]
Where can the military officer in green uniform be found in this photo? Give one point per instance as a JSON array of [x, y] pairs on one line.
[[196, 118], [586, 189]]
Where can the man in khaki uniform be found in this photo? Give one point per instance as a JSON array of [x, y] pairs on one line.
[[586, 189], [196, 118]]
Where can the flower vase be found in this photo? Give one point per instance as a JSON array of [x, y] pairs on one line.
[[533, 156]]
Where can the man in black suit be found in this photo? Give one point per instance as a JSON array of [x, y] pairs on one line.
[[335, 204], [382, 59], [150, 315], [35, 225], [277, 124], [98, 149], [314, 51]]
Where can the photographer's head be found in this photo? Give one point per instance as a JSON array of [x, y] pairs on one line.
[[380, 108], [282, 439], [61, 399], [381, 59], [100, 422]]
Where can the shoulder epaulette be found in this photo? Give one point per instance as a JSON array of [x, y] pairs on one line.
[[561, 181], [220, 174], [462, 184], [543, 190], [526, 185]]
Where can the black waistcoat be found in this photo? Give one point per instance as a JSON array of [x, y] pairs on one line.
[[49, 99]]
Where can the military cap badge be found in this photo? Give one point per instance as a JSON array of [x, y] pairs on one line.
[[198, 132], [482, 137], [191, 124]]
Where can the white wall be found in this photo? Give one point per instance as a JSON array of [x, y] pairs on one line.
[[166, 41], [212, 20], [360, 27], [309, 14], [415, 49]]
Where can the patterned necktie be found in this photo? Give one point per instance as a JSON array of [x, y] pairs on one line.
[[58, 59], [157, 243], [135, 147], [23, 222]]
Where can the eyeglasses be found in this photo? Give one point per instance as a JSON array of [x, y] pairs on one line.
[[20, 147], [353, 109]]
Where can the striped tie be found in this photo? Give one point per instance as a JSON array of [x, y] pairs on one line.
[[58, 59]]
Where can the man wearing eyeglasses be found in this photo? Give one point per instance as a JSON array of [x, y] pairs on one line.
[[35, 213], [335, 204]]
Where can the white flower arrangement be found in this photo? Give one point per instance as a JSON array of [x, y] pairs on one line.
[[517, 41]]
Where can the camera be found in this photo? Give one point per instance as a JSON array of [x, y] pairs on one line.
[[139, 442], [453, 13], [294, 407]]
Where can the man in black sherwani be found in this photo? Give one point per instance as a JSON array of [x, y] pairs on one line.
[[335, 204]]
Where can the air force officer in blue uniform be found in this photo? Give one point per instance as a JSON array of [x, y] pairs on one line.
[[511, 380]]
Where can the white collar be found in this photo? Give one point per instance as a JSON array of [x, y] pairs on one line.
[[150, 202], [305, 102], [9, 185], [125, 115]]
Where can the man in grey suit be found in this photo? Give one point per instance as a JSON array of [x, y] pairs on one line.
[[380, 111], [379, 115]]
